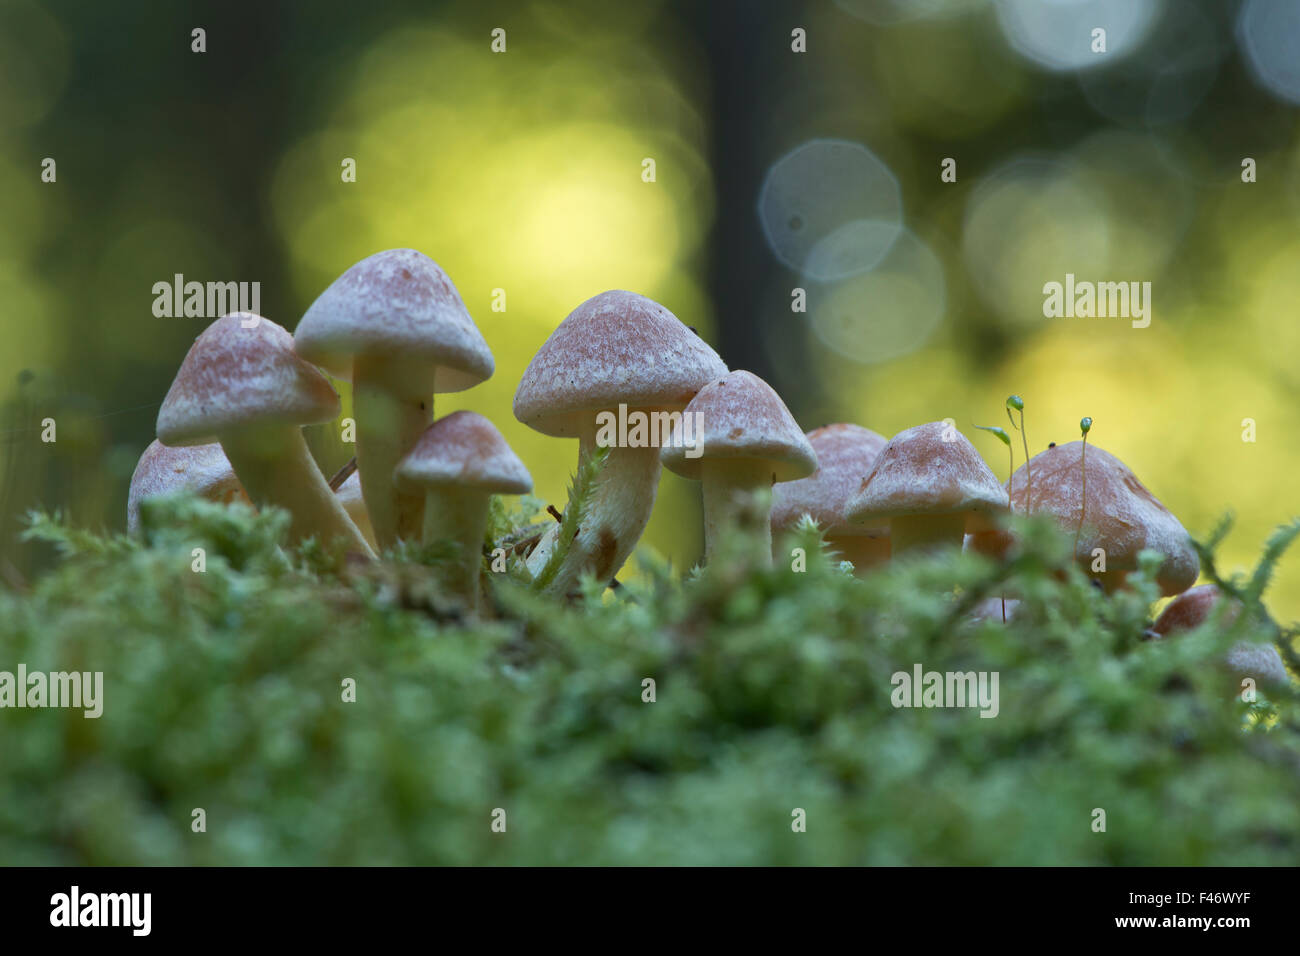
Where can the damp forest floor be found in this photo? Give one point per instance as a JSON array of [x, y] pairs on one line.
[[228, 691]]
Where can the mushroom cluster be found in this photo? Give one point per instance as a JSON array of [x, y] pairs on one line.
[[395, 327]]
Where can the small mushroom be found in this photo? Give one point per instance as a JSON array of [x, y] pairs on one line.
[[395, 327], [1193, 608], [932, 487], [845, 455], [735, 437], [201, 469], [1123, 517], [349, 495], [458, 464], [625, 355], [246, 388]]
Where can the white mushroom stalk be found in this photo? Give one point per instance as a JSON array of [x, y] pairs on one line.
[[277, 468], [459, 515], [388, 426], [617, 514], [728, 489]]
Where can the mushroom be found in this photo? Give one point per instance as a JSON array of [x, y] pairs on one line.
[[1193, 608], [845, 455], [1123, 518], [349, 495], [246, 388], [395, 327], [458, 464], [735, 437], [201, 469], [618, 357], [932, 487]]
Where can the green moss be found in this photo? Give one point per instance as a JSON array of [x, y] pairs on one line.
[[223, 691]]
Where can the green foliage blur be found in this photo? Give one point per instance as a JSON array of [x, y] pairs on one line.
[[223, 690]]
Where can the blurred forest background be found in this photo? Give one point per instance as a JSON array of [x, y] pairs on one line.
[[775, 170]]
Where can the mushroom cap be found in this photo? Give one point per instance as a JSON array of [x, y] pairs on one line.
[[202, 469], [615, 348], [740, 417], [235, 377], [1123, 518], [845, 455], [396, 305], [466, 450], [1260, 661], [1192, 608], [1189, 610], [918, 473]]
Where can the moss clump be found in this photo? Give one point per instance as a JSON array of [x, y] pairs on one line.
[[223, 690]]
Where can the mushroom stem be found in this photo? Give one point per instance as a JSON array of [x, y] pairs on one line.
[[617, 513], [863, 551], [275, 467], [388, 426], [728, 488], [459, 515], [919, 533]]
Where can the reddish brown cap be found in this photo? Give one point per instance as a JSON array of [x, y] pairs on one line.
[[397, 304], [236, 377], [615, 348], [463, 449], [845, 455], [1192, 608], [739, 418], [1123, 518], [919, 473], [201, 469]]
